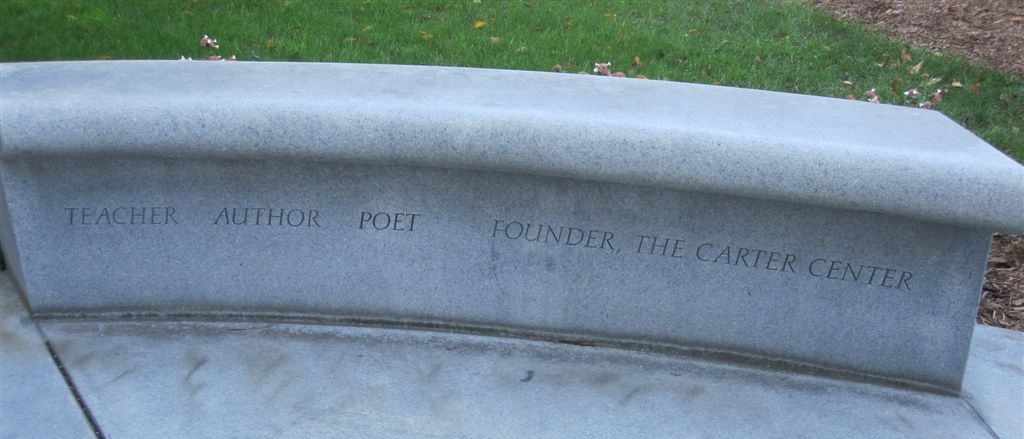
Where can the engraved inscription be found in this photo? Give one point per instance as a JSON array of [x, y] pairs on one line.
[[868, 274], [753, 258], [655, 246], [121, 215], [555, 235], [706, 253], [265, 216], [397, 221]]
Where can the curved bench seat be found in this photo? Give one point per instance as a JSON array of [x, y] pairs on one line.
[[841, 235]]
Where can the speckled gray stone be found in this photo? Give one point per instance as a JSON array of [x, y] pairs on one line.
[[994, 380], [265, 380], [34, 399], [837, 234]]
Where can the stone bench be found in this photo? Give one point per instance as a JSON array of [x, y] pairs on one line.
[[824, 234]]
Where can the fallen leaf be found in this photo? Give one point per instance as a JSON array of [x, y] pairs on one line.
[[905, 55], [848, 82], [495, 40], [976, 86], [608, 14], [956, 83], [636, 62], [896, 85], [70, 17], [479, 24], [206, 41], [557, 68], [641, 77], [916, 68], [934, 80], [270, 42], [424, 35], [871, 96]]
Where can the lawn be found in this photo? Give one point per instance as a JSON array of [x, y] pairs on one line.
[[784, 45]]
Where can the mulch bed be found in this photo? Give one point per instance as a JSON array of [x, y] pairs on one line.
[[990, 32], [1003, 301]]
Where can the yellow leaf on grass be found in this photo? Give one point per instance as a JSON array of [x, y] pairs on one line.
[[905, 55], [426, 35], [479, 24], [916, 68]]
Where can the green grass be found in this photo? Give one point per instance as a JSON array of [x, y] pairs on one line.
[[783, 45]]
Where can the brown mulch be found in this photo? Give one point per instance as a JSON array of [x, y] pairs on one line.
[[990, 32], [1003, 301]]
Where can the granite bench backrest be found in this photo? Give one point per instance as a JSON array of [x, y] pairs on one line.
[[841, 236]]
